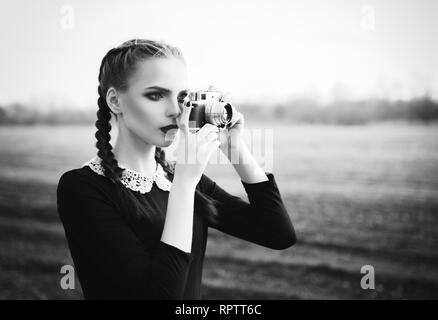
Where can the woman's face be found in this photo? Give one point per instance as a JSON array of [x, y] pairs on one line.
[[151, 100]]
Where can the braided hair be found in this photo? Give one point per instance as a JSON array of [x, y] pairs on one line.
[[115, 70]]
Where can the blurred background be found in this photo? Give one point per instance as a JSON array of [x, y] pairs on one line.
[[347, 90]]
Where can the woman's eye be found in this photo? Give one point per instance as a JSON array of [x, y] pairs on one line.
[[155, 96]]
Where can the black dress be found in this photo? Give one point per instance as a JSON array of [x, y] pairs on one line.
[[114, 260]]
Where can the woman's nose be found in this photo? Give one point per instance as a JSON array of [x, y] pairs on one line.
[[173, 110]]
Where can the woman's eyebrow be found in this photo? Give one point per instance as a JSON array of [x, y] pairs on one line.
[[165, 90]]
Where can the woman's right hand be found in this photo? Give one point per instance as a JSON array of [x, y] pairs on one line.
[[194, 149]]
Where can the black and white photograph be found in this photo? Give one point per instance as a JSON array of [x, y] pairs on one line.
[[219, 150]]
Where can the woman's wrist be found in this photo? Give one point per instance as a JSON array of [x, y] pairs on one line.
[[178, 226], [247, 166], [232, 148], [186, 182]]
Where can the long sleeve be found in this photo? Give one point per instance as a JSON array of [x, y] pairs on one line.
[[264, 220], [110, 259]]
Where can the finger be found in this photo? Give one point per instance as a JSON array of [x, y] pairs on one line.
[[213, 145], [211, 136], [226, 97], [206, 128], [235, 119], [183, 122]]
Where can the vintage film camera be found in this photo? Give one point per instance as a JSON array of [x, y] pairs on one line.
[[208, 108]]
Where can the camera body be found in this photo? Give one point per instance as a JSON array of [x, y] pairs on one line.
[[208, 108]]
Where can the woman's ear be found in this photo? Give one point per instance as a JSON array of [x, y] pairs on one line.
[[113, 101]]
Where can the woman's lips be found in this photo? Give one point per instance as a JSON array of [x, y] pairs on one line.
[[169, 132], [169, 127]]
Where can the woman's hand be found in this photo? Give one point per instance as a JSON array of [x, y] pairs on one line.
[[194, 149], [231, 137], [233, 146]]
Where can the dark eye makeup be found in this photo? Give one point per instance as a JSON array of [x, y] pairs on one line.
[[154, 96], [157, 95]]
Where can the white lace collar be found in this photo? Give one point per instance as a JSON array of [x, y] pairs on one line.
[[132, 179]]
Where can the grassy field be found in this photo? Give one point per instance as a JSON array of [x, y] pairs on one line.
[[357, 195]]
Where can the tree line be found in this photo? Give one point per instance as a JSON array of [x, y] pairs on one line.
[[422, 109]]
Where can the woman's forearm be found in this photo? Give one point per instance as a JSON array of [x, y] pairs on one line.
[[246, 165], [178, 226]]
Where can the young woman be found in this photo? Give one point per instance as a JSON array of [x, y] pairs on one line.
[[137, 225]]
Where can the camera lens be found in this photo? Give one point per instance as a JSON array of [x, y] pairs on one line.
[[218, 113]]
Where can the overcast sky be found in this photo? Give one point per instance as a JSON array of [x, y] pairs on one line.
[[258, 50]]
